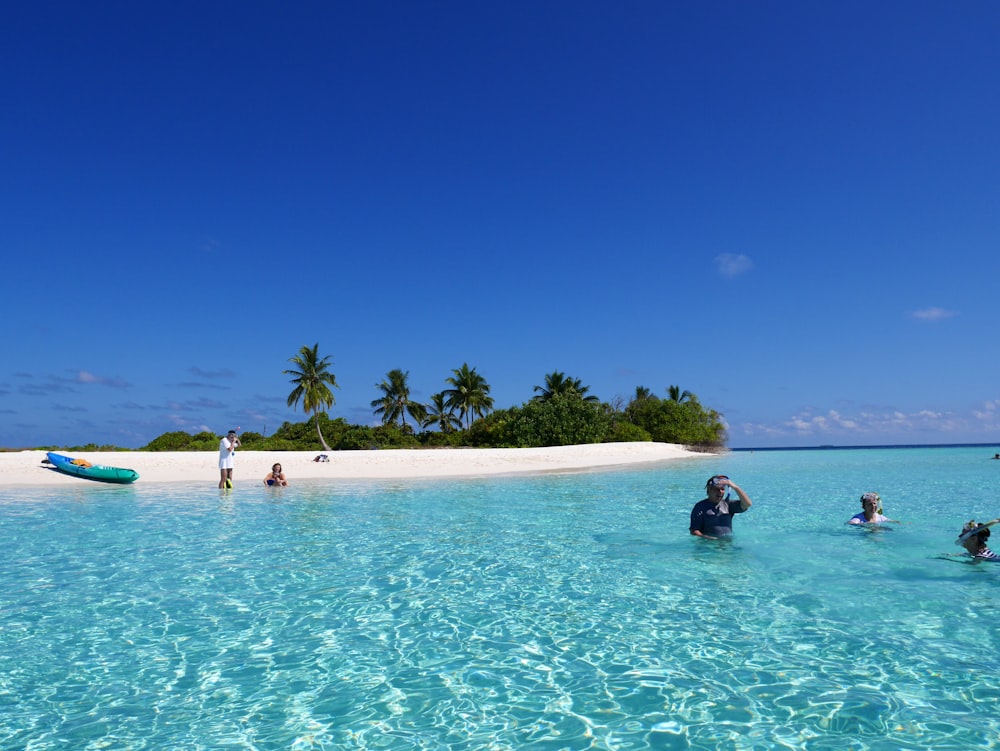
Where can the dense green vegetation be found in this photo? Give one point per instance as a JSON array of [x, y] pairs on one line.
[[561, 413]]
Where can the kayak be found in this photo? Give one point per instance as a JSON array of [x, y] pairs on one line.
[[82, 468]]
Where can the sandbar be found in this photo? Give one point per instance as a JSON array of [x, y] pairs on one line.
[[27, 468]]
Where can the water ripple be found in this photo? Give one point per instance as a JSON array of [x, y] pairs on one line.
[[567, 612]]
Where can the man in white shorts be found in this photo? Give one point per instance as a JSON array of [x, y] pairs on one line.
[[227, 449]]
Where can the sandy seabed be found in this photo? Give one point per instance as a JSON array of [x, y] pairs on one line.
[[27, 468]]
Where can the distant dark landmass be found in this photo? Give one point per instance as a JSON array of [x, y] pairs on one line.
[[880, 446]]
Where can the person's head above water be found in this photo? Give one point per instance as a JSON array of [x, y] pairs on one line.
[[716, 486], [974, 529], [973, 536], [871, 502]]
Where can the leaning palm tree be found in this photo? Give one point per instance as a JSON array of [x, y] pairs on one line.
[[312, 384], [556, 382], [440, 415], [676, 395], [469, 394], [395, 402]]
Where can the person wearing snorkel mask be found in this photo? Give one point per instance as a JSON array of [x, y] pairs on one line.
[[713, 516], [871, 511], [973, 538], [227, 447]]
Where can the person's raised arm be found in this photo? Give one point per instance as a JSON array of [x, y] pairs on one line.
[[745, 501]]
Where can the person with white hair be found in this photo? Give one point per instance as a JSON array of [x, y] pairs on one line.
[[871, 511]]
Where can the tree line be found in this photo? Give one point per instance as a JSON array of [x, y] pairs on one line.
[[562, 412]]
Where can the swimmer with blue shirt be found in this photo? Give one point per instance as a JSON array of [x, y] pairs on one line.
[[713, 517]]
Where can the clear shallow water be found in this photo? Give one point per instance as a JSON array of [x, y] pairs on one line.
[[555, 612]]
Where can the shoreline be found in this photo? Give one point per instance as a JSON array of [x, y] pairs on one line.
[[25, 468]]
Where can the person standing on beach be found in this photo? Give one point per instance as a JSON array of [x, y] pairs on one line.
[[227, 449], [713, 516]]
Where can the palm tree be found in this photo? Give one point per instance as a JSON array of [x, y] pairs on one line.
[[641, 392], [312, 384], [557, 383], [676, 395], [440, 415], [395, 402], [470, 394]]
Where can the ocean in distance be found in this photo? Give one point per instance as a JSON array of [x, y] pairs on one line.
[[560, 611], [876, 446]]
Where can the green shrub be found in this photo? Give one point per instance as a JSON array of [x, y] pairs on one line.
[[436, 438], [669, 421], [251, 441], [96, 447], [394, 436], [176, 440], [276, 444], [354, 438], [493, 430], [624, 432], [561, 420]]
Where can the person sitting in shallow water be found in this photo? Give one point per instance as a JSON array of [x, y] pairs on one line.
[[973, 538], [871, 511], [276, 477]]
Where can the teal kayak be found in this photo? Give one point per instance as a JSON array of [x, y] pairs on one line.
[[82, 468]]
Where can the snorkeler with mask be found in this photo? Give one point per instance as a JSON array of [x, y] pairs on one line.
[[713, 516], [871, 511], [973, 538]]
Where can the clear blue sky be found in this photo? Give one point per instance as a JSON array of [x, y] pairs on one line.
[[791, 209]]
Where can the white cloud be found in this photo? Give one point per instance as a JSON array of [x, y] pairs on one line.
[[989, 408], [831, 422], [732, 264], [843, 422], [989, 414], [874, 425], [85, 377], [878, 424], [933, 314], [755, 428]]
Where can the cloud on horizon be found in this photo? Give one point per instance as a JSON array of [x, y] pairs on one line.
[[989, 413], [879, 423]]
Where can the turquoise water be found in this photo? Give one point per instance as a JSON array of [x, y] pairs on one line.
[[567, 611]]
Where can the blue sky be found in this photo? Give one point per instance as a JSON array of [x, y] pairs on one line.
[[791, 209]]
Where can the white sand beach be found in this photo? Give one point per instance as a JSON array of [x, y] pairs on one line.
[[26, 467]]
